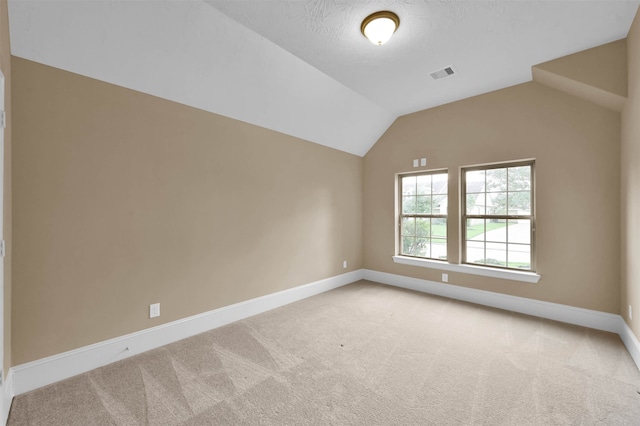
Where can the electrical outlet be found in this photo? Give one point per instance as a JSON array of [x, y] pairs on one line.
[[154, 310], [630, 312], [445, 278], [344, 264]]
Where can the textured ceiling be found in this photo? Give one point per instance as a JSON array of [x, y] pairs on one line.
[[491, 44], [302, 67]]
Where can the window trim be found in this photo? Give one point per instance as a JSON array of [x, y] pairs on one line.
[[472, 269], [464, 216], [400, 215]]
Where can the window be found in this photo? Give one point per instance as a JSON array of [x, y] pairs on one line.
[[498, 219], [423, 215]]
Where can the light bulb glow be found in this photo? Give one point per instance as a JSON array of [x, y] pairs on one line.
[[380, 26], [380, 30]]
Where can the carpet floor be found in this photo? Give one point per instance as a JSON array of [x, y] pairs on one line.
[[363, 354]]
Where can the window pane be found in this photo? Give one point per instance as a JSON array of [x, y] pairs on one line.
[[439, 228], [475, 252], [408, 205], [422, 247], [497, 203], [489, 194], [409, 185], [475, 204], [440, 182], [408, 246], [520, 203], [439, 204], [408, 227], [519, 178], [438, 248], [519, 256], [496, 254], [475, 229], [496, 230], [423, 228], [519, 231], [423, 205], [496, 180], [475, 181], [423, 195], [424, 184]]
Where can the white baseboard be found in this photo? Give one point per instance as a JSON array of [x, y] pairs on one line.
[[58, 367], [554, 311], [7, 396], [26, 377], [630, 341], [569, 314]]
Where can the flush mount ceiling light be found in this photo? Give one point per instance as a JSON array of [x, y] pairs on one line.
[[380, 26]]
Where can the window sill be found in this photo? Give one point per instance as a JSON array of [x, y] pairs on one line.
[[529, 277]]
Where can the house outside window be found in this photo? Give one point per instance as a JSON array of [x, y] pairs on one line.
[[498, 220], [422, 215]]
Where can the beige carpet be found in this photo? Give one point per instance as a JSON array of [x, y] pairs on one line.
[[363, 354]]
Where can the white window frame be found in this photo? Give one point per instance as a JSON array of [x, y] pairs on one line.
[[400, 215], [531, 216]]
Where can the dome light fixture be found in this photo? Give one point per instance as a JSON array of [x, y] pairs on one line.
[[380, 26]]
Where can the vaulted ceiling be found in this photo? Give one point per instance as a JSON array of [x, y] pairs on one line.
[[301, 67]]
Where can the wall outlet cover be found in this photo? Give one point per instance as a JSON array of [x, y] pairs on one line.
[[154, 310]]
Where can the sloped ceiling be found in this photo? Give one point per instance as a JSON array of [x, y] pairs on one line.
[[302, 67]]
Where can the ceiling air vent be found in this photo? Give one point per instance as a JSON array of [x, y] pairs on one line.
[[445, 72]]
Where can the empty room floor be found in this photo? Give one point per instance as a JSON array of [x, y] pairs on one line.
[[363, 354]]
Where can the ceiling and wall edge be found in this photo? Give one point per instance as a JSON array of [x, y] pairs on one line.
[[168, 49], [202, 54], [598, 75]]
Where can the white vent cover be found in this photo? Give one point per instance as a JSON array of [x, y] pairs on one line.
[[445, 72]]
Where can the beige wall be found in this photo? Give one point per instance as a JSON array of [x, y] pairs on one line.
[[576, 147], [603, 67], [631, 184], [598, 75], [5, 66], [122, 199]]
